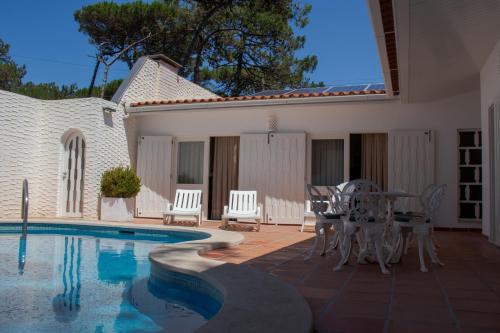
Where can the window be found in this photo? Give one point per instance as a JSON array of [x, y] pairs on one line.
[[190, 163], [470, 199], [327, 164]]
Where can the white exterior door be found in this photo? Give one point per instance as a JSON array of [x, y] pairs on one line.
[[411, 162], [72, 177], [154, 160], [254, 164], [191, 166], [274, 165]]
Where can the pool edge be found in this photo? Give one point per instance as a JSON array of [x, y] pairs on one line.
[[247, 306]]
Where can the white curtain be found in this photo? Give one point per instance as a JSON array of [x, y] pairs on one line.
[[190, 163], [327, 164]]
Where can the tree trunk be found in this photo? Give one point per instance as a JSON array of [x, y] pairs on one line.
[[92, 82], [104, 79], [237, 75], [197, 65]]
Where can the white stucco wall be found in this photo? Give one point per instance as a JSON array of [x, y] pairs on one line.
[[156, 80], [31, 134], [444, 116], [490, 92]]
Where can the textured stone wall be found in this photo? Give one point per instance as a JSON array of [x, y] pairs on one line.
[[32, 134]]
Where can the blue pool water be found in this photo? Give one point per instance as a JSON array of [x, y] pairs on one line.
[[67, 279]]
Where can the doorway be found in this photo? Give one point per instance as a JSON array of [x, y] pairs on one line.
[[224, 172], [73, 172], [368, 158]]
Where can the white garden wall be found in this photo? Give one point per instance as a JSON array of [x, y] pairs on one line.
[[444, 116], [31, 146], [490, 91]]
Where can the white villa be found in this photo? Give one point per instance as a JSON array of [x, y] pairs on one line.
[[436, 119]]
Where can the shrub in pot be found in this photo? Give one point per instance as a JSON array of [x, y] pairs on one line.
[[119, 186]]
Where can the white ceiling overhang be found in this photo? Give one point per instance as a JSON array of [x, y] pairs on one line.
[[441, 45]]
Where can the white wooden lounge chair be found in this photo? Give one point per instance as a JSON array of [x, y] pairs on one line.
[[186, 203], [242, 205]]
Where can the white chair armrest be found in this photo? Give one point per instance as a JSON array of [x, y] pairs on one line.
[[170, 207], [259, 210]]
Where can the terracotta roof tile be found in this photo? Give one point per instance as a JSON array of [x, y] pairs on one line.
[[253, 98]]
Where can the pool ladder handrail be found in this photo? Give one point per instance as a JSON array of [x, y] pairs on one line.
[[24, 206]]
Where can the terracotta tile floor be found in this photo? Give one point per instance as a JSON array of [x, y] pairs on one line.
[[463, 296]]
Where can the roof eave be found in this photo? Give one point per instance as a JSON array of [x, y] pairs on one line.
[[146, 109], [383, 23]]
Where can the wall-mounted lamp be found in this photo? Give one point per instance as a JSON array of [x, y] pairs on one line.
[[273, 123]]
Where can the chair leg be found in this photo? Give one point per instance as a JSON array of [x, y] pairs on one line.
[[408, 240], [431, 252], [377, 240], [303, 225], [345, 245], [420, 240], [434, 242], [343, 254], [363, 243], [396, 245], [317, 229], [325, 239], [348, 250], [333, 243]]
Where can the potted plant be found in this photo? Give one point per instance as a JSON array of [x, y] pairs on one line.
[[119, 186]]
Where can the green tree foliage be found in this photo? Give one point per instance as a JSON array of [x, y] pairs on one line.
[[11, 74], [51, 91], [120, 182], [112, 27], [230, 46], [46, 90]]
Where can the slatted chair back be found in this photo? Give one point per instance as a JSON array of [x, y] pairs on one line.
[[319, 206], [242, 202], [187, 200], [367, 207]]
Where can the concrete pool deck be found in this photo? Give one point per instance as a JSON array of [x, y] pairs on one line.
[[463, 296]]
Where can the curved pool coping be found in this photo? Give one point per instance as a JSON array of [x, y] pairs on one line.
[[248, 306]]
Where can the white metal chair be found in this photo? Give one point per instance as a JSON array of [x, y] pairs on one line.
[[242, 205], [186, 203], [367, 213], [309, 215], [402, 208], [347, 190], [327, 214], [421, 224]]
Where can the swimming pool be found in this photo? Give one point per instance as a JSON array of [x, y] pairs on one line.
[[72, 278]]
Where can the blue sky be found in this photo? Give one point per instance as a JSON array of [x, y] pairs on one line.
[[44, 36]]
